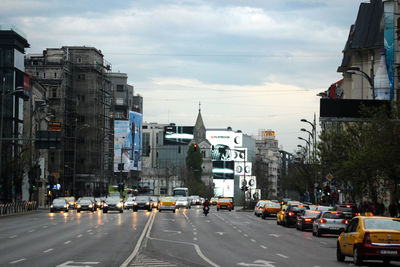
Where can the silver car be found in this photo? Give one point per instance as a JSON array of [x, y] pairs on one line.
[[182, 202], [329, 222], [129, 203]]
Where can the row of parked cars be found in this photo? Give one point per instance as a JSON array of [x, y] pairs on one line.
[[361, 236]]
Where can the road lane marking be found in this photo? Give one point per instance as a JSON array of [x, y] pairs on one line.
[[195, 238], [253, 240], [139, 243], [246, 235], [274, 235], [13, 236], [13, 262], [195, 233], [48, 250], [67, 242], [44, 226], [79, 236], [31, 231], [262, 246], [89, 231], [239, 231], [76, 263], [323, 243], [281, 255], [258, 263]]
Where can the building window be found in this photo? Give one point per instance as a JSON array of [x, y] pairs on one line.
[[37, 74], [120, 87], [55, 75], [52, 156], [79, 60], [54, 92], [81, 77], [44, 75]]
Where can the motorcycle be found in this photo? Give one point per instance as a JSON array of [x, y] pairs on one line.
[[206, 209]]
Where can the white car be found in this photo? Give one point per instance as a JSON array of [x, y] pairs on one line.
[[259, 207], [182, 202], [129, 203]]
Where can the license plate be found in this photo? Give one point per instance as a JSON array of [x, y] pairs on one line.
[[389, 252], [334, 228]]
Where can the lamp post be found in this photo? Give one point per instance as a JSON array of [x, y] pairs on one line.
[[353, 70], [3, 95], [308, 143], [313, 134]]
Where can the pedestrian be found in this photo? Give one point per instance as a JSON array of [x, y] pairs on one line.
[[393, 209]]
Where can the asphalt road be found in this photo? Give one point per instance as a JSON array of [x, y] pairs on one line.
[[184, 238]]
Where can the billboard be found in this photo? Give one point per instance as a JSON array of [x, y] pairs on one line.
[[121, 142], [223, 188], [223, 169], [135, 133], [178, 135], [243, 169], [224, 137], [250, 181]]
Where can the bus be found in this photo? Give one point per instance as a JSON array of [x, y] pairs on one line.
[[181, 191]]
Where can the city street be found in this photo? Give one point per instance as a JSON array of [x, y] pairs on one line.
[[184, 238]]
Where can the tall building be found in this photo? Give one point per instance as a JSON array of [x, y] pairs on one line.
[[267, 153], [12, 76], [80, 96]]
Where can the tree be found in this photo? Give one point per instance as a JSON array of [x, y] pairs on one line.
[[194, 160]]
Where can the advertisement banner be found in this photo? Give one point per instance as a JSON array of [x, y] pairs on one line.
[[241, 168], [223, 188], [249, 181], [135, 126], [223, 169], [178, 135], [121, 146]]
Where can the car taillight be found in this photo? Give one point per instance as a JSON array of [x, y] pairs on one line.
[[283, 212], [322, 221], [348, 206], [307, 220], [345, 221], [357, 214], [367, 238], [290, 213], [173, 203], [260, 208]]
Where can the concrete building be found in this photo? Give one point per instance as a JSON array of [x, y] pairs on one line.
[[268, 157], [12, 77], [80, 97]]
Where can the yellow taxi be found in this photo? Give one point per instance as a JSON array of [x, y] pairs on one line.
[[213, 201], [225, 203], [71, 202], [167, 203], [270, 208], [370, 238]]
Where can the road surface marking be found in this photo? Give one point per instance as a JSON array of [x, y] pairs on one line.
[[194, 229], [195, 233], [220, 233], [48, 250], [172, 231], [323, 243], [89, 231], [76, 263], [246, 235], [239, 231], [139, 243], [195, 238], [31, 231], [262, 246], [13, 236], [274, 235], [252, 240], [17, 261], [79, 236], [67, 242], [281, 255], [44, 226], [258, 263]]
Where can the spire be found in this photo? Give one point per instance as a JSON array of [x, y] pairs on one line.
[[199, 128]]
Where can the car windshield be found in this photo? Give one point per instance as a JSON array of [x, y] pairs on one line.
[[142, 198], [85, 201], [130, 199], [224, 200], [167, 199], [333, 215], [311, 213], [58, 201], [112, 200], [181, 199], [299, 208], [273, 205], [386, 224]]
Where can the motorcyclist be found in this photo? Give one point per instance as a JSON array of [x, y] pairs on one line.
[[206, 204]]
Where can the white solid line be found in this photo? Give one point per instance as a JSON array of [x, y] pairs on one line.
[[281, 255], [139, 243], [67, 242], [17, 261], [264, 247], [46, 251]]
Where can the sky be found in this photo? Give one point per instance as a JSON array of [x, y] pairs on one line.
[[252, 64]]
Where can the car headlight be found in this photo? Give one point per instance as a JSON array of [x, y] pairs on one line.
[[135, 203], [90, 205], [119, 205], [147, 203], [52, 206], [78, 206], [65, 206], [105, 205], [155, 203]]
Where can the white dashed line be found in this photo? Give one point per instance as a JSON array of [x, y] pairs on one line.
[[12, 262], [239, 231], [264, 247], [195, 239], [323, 243], [253, 240], [195, 233], [67, 242], [246, 235], [89, 231], [13, 236], [79, 236], [44, 226], [31, 231], [48, 250], [281, 255]]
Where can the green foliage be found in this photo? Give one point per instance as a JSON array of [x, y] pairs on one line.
[[194, 160]]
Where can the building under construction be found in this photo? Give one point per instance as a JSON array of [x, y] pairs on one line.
[[79, 96]]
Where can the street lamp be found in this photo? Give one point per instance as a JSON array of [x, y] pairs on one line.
[[308, 143], [353, 70], [313, 134], [3, 95]]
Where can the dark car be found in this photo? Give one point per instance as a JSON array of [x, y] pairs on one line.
[[290, 216], [59, 204], [142, 202], [113, 203], [306, 218], [349, 210], [85, 204]]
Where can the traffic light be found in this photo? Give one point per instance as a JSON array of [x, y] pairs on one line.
[[195, 147], [327, 190]]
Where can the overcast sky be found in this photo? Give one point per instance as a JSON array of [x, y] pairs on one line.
[[252, 64]]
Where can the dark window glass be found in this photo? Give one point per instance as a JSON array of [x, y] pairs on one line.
[[120, 87]]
